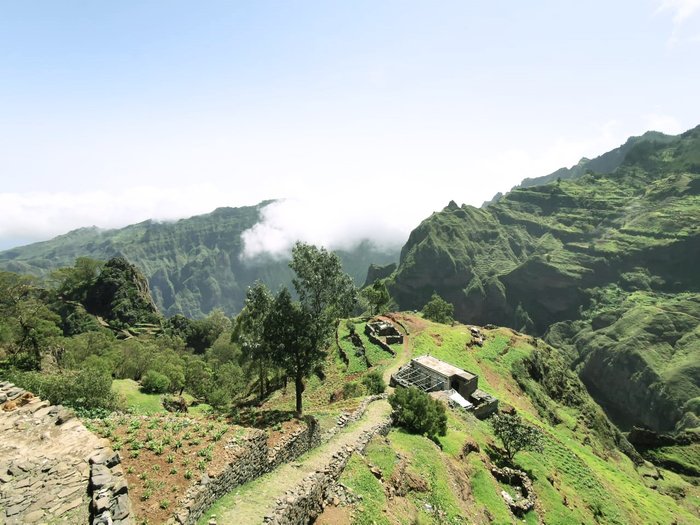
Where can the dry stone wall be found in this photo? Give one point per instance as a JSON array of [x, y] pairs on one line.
[[53, 469], [248, 459], [307, 500]]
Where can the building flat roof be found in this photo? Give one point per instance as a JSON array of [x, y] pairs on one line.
[[445, 369]]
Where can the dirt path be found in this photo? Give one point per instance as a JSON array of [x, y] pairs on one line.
[[401, 359], [249, 503]]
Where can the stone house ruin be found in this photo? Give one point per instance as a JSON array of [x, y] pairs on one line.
[[447, 382], [385, 329]]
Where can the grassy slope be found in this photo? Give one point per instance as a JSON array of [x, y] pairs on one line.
[[574, 482], [140, 403]]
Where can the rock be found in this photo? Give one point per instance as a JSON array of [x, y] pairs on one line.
[[33, 517], [121, 508]]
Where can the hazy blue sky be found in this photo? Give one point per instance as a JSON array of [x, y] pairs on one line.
[[113, 112]]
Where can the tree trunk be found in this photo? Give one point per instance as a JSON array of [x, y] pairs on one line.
[[299, 387], [262, 382]]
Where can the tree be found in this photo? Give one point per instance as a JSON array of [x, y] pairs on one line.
[[374, 382], [419, 413], [288, 328], [249, 332], [516, 435], [438, 310], [154, 382], [377, 297], [326, 294], [73, 283]]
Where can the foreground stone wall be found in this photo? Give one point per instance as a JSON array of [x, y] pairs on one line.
[[53, 469], [248, 459]]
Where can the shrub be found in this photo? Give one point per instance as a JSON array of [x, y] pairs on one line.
[[155, 383], [83, 389], [352, 389], [438, 310], [374, 383], [418, 413]]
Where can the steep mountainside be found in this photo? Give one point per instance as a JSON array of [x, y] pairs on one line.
[[192, 265], [610, 257], [587, 473], [603, 164]]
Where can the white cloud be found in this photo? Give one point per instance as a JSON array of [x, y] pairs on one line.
[[681, 11], [664, 123], [42, 215], [339, 223]]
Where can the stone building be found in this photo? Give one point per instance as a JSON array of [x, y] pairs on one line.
[[447, 382]]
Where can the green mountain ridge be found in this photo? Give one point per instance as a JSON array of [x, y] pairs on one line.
[[603, 264], [193, 265], [603, 164]]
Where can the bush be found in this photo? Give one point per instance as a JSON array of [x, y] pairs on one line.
[[419, 413], [351, 389], [155, 383], [82, 389], [374, 383], [438, 310]]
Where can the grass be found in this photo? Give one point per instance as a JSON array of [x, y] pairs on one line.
[[579, 478], [358, 478], [136, 400]]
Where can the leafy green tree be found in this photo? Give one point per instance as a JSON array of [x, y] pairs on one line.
[[136, 357], [171, 365], [200, 334], [287, 329], [27, 326], [326, 294], [154, 382], [228, 383], [377, 297], [516, 435], [198, 376], [249, 333], [419, 413], [438, 310], [74, 282]]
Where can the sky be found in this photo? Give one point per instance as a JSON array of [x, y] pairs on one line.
[[365, 116]]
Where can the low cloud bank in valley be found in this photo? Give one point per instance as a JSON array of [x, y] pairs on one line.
[[335, 225]]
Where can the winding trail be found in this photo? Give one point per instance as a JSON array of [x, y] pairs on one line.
[[251, 502]]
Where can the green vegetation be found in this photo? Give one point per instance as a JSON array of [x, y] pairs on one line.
[[193, 265], [583, 474], [438, 310], [374, 383], [516, 435], [601, 262], [417, 412]]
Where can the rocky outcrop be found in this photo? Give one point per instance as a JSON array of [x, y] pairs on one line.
[[52, 469]]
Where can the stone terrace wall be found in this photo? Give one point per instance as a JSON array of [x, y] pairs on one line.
[[251, 458], [296, 444], [248, 459], [346, 419], [306, 501], [52, 468]]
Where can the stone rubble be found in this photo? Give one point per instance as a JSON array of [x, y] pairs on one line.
[[47, 466]]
